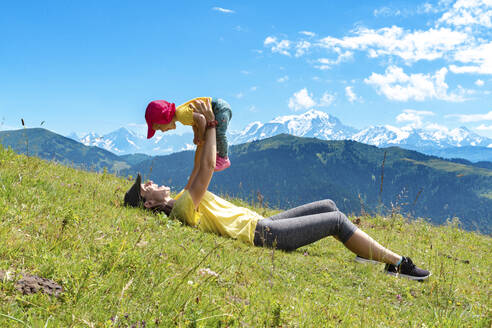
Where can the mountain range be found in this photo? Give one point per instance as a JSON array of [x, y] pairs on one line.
[[438, 141]]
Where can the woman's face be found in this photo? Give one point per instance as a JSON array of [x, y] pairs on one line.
[[154, 194]]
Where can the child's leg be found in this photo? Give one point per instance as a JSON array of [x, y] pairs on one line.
[[223, 115]]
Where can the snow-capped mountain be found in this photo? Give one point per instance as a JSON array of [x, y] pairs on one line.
[[125, 141], [121, 141], [310, 124], [439, 137], [430, 140]]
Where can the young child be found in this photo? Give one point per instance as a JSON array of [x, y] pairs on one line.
[[162, 115]]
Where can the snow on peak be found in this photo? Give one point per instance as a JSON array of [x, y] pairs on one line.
[[307, 116], [313, 123]]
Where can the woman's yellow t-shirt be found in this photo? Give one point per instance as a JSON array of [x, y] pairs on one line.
[[216, 215], [184, 112]]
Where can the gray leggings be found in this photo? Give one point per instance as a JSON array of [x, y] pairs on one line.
[[303, 225]]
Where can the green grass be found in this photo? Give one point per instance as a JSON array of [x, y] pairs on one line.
[[122, 267]]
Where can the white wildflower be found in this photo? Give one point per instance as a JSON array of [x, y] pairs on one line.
[[207, 272]]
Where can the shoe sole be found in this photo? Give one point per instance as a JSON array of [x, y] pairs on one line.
[[221, 169], [365, 261], [408, 276]]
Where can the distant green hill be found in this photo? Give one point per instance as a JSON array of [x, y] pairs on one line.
[[51, 146], [290, 171]]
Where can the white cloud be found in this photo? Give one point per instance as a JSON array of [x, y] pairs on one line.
[[327, 63], [480, 56], [479, 83], [301, 100], [245, 72], [396, 85], [460, 36], [308, 33], [223, 10], [437, 127], [252, 108], [327, 99], [280, 47], [188, 147], [414, 117], [386, 11], [239, 95], [351, 96], [484, 127], [253, 88], [283, 79], [427, 8], [411, 46], [270, 40], [302, 47], [466, 118], [469, 12]]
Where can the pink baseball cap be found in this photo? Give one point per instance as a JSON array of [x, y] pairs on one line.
[[159, 112]]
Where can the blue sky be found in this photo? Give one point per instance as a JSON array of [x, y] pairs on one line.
[[94, 65]]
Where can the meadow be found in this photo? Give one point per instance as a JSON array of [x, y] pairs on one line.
[[126, 267]]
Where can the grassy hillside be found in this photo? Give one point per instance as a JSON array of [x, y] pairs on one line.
[[126, 267]]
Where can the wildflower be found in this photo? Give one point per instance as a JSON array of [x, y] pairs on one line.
[[398, 297], [190, 282], [207, 272], [142, 243]]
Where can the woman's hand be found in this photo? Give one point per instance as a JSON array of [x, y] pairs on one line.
[[205, 108]]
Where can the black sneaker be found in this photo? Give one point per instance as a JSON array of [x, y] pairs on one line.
[[407, 269]]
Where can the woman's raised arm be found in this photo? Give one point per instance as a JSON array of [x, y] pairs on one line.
[[204, 158], [196, 166]]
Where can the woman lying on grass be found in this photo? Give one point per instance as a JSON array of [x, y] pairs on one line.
[[288, 230]]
